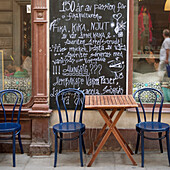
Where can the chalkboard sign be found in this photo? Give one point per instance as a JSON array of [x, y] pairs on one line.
[[1, 70], [88, 46]]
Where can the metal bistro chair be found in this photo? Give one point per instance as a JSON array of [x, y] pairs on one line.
[[12, 125], [77, 98], [151, 125]]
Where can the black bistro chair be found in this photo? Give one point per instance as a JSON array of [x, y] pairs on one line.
[[11, 125], [75, 99], [154, 125]]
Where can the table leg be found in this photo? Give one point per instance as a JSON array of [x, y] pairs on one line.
[[99, 147], [124, 141], [101, 132], [116, 134], [110, 125]]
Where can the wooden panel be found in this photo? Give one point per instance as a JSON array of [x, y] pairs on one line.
[[125, 101], [98, 100], [5, 5], [128, 100], [113, 100], [110, 101], [91, 100], [105, 100], [7, 59], [7, 53], [117, 101], [95, 100], [102, 100], [87, 100], [5, 42], [5, 30], [120, 100], [6, 17], [132, 100]]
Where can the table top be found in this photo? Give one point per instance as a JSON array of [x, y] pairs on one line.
[[109, 101]]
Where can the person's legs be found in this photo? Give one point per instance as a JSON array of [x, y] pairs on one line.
[[161, 70]]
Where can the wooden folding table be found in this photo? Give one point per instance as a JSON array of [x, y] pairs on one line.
[[115, 103]]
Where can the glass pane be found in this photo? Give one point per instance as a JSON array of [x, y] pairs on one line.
[[150, 20], [15, 47]]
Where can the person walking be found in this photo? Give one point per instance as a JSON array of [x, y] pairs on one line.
[[164, 54]]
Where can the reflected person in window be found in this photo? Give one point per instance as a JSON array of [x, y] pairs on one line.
[[27, 64], [164, 53], [144, 29], [152, 61], [18, 72]]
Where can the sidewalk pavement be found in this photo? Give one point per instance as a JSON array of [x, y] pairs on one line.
[[71, 161]]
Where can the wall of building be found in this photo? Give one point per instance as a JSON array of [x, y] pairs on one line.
[[94, 122]]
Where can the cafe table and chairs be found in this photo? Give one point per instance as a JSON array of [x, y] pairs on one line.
[[117, 104]]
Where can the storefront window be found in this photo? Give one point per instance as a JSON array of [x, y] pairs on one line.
[[150, 20], [15, 47]]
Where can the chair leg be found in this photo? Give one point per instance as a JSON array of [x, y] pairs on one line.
[[142, 148], [56, 148], [168, 147], [20, 143], [137, 143], [84, 149], [61, 143], [160, 142], [80, 148], [13, 149]]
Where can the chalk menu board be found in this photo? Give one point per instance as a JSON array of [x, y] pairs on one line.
[[88, 46]]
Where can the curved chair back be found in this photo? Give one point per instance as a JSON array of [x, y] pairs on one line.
[[18, 101], [73, 97], [149, 95]]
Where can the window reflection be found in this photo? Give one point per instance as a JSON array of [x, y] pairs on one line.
[[15, 44], [149, 22]]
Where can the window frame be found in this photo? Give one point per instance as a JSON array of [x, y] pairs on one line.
[[134, 33]]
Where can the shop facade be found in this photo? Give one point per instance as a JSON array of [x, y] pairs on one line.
[[24, 36]]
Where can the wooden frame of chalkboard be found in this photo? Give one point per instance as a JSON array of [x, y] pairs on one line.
[[1, 70], [89, 46]]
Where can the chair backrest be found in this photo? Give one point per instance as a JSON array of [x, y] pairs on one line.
[[152, 96], [73, 97], [16, 105]]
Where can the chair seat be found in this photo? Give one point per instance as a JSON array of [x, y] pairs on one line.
[[9, 127], [69, 127], [152, 126]]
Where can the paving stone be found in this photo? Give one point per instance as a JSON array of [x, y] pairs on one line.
[[71, 160]]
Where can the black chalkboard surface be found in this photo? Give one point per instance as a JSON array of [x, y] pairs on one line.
[[88, 46]]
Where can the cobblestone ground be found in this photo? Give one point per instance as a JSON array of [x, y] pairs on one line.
[[70, 161]]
